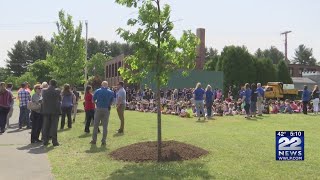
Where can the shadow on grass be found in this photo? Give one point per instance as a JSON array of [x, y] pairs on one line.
[[85, 135], [35, 148], [118, 134], [95, 149], [202, 121], [67, 129], [183, 170]]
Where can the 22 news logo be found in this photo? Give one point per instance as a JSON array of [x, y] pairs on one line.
[[290, 145]]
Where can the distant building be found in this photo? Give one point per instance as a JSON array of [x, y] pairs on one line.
[[112, 75], [297, 69]]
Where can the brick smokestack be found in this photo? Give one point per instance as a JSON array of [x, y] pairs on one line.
[[201, 49]]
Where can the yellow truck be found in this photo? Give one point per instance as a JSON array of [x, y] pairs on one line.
[[278, 90]]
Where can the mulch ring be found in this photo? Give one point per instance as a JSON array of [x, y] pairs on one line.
[[147, 151]]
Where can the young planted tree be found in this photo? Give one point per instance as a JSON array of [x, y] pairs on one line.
[[68, 56], [157, 51]]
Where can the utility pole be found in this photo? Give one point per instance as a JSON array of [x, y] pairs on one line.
[[286, 43], [86, 68]]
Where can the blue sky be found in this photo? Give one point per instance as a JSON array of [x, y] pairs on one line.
[[253, 23]]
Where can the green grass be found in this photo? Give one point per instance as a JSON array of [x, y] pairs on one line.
[[238, 149]]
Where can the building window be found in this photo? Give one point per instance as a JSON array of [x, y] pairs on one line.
[[107, 72], [300, 71], [291, 71], [119, 65], [116, 70], [112, 73]]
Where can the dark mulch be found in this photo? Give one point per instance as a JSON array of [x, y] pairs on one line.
[[147, 151]]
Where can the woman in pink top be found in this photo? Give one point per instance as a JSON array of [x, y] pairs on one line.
[[5, 104]]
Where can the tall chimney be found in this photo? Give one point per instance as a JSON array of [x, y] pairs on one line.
[[201, 49]]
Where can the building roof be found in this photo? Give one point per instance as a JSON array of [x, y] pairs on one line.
[[303, 80]]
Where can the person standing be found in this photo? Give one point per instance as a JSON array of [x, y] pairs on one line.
[[89, 108], [24, 97], [246, 99], [75, 105], [305, 99], [103, 98], [209, 100], [68, 100], [5, 104], [260, 98], [9, 88], [121, 105], [254, 98], [51, 108], [198, 97], [315, 96], [36, 116]]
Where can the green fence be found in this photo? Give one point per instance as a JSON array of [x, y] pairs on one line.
[[177, 80]]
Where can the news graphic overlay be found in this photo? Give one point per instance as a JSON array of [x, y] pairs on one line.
[[290, 145]]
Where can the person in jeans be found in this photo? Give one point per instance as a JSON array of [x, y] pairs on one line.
[[254, 98], [121, 105], [68, 100], [75, 105], [305, 99], [209, 100], [5, 104], [198, 97], [51, 109], [260, 98], [36, 116], [9, 88], [315, 97], [246, 99], [103, 98], [24, 97], [89, 108]]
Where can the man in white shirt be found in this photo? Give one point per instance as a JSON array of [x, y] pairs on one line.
[[121, 105]]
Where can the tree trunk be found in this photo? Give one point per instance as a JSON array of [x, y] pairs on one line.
[[158, 83], [159, 120]]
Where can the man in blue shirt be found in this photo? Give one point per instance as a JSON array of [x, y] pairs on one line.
[[260, 91], [305, 99], [198, 94], [103, 98]]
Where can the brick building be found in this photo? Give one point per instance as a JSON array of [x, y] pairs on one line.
[[113, 76], [296, 70]]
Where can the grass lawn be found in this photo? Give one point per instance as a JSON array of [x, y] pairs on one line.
[[238, 149]]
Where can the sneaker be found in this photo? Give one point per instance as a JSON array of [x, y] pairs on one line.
[[103, 144], [56, 144], [93, 142]]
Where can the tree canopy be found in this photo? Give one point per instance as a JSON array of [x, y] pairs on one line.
[[304, 55], [68, 56]]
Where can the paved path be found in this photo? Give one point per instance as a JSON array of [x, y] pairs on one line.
[[18, 158]]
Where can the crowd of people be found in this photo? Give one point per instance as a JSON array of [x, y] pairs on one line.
[[47, 104], [43, 106]]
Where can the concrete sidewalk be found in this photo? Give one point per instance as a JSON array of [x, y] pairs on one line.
[[18, 158]]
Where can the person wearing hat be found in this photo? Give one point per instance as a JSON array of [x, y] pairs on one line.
[[121, 104]]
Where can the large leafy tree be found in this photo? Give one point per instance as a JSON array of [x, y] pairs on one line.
[[304, 55], [38, 48], [93, 47], [265, 70], [41, 70], [18, 58], [212, 59], [157, 51], [283, 73], [68, 57], [272, 53], [96, 65], [4, 73], [238, 66]]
